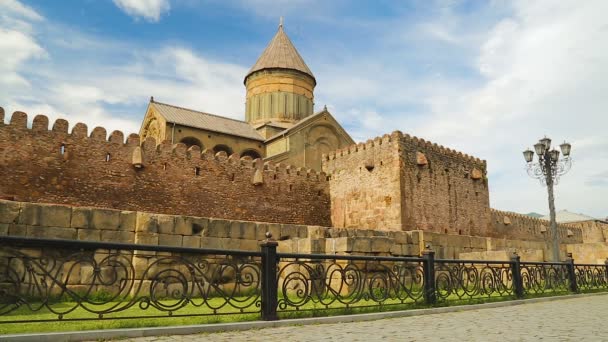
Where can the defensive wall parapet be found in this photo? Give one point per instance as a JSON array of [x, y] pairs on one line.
[[78, 168], [365, 185], [398, 182], [444, 190], [511, 225]]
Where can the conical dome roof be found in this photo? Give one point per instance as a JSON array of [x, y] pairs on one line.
[[280, 54]]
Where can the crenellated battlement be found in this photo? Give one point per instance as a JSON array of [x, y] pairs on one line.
[[79, 135], [428, 146], [82, 167], [413, 142], [510, 225]]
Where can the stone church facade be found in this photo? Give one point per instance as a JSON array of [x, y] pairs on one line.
[[280, 123]]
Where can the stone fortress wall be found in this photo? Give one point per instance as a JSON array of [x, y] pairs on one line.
[[53, 221], [54, 166], [388, 196]]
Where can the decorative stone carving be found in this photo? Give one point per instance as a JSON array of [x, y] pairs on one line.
[[570, 233], [258, 178], [137, 158], [476, 173], [421, 159], [506, 220], [543, 228]]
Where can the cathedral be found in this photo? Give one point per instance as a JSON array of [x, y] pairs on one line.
[[280, 122]]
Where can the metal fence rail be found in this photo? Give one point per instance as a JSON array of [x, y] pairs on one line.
[[54, 280], [77, 280]]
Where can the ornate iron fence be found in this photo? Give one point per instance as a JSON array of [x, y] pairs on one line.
[[467, 279], [312, 282], [52, 280], [76, 280]]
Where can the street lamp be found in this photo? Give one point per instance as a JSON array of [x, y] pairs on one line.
[[548, 169]]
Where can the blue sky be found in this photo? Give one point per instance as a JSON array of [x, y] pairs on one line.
[[488, 78]]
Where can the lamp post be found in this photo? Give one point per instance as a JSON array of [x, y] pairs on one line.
[[548, 169]]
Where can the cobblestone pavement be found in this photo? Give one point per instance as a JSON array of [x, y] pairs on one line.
[[579, 319]]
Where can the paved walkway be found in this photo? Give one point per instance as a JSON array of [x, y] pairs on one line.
[[579, 319]]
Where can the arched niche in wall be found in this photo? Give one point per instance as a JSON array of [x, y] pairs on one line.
[[321, 139], [192, 141], [253, 154], [222, 147]]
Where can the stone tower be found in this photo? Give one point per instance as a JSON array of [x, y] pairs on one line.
[[279, 86]]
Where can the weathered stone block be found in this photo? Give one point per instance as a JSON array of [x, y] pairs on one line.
[[117, 236], [248, 230], [362, 244], [9, 211], [170, 240], [146, 222], [381, 244], [52, 232], [45, 215], [219, 228], [235, 230], [191, 241], [3, 229], [140, 264], [17, 230], [143, 238], [30, 214], [303, 231], [397, 250], [286, 246], [105, 219], [289, 231], [317, 232], [344, 244], [200, 226], [400, 237], [304, 246], [81, 217], [478, 242], [211, 242], [260, 230], [85, 234], [128, 221], [233, 244], [251, 245], [183, 225], [166, 224], [275, 230]]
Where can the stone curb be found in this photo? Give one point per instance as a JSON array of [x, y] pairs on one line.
[[96, 335]]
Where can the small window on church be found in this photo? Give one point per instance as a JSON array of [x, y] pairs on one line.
[[107, 157], [62, 149], [197, 171]]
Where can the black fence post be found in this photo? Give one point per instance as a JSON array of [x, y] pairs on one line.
[[571, 273], [269, 278], [430, 295], [606, 263], [518, 285]]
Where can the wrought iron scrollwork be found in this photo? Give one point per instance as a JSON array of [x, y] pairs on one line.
[[335, 283], [465, 280], [544, 277], [591, 277], [106, 283]]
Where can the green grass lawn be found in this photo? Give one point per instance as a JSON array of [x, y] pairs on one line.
[[123, 319]]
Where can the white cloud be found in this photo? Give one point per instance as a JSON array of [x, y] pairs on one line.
[[150, 10], [16, 8], [15, 49]]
